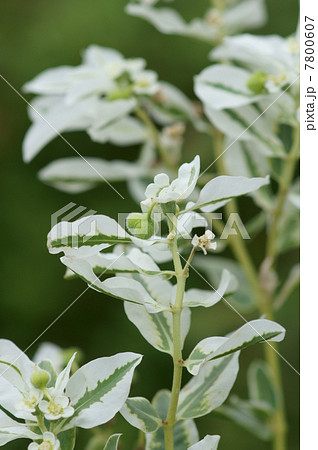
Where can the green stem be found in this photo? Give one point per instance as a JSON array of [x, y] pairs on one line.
[[41, 423], [284, 185], [164, 154], [170, 421]]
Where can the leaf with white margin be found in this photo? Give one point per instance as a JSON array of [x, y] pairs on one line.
[[208, 443], [185, 432], [47, 351], [243, 414], [187, 221], [48, 367], [63, 377], [248, 123], [222, 86], [209, 389], [207, 298], [67, 439], [87, 231], [157, 328], [140, 413], [57, 119], [125, 131], [119, 287], [222, 189], [168, 21], [99, 389], [15, 366], [112, 442], [172, 106], [11, 430], [242, 298], [253, 332], [76, 175], [246, 14]]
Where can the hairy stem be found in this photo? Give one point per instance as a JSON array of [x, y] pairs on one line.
[[177, 344]]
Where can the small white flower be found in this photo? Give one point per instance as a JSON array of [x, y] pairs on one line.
[[56, 407], [162, 191], [204, 241], [31, 399], [145, 82], [49, 443]]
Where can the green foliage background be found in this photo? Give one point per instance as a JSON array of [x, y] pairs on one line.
[[35, 35]]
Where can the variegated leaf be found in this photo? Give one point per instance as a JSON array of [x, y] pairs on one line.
[[185, 432], [242, 298], [99, 389], [207, 298], [157, 328], [112, 443], [48, 367], [209, 389], [88, 231], [119, 287], [221, 190], [251, 333], [140, 413], [11, 430], [208, 443], [247, 123], [243, 414]]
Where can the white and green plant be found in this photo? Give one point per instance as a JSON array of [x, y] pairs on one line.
[[249, 107]]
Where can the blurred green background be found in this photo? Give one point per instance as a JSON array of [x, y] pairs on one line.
[[35, 35]]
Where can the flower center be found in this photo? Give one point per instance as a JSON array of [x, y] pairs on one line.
[[55, 408], [30, 402]]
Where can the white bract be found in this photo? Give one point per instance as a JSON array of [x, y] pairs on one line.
[[34, 392], [225, 17]]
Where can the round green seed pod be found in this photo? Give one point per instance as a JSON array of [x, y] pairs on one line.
[[40, 379], [256, 83]]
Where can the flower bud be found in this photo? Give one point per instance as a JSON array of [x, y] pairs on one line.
[[140, 225], [256, 83], [40, 379]]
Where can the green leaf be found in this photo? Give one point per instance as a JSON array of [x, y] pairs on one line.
[[209, 389], [140, 413], [221, 190], [208, 443], [47, 365], [185, 431], [67, 439], [112, 443], [261, 387], [249, 334], [99, 389]]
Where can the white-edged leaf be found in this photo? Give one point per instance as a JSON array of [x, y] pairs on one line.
[[209, 389], [168, 21], [126, 131], [88, 231], [243, 414], [242, 298], [247, 123], [185, 431], [222, 86], [207, 298], [224, 188], [208, 443], [244, 15], [251, 333], [139, 412], [118, 287], [64, 376], [112, 442], [99, 389], [11, 430], [76, 175]]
